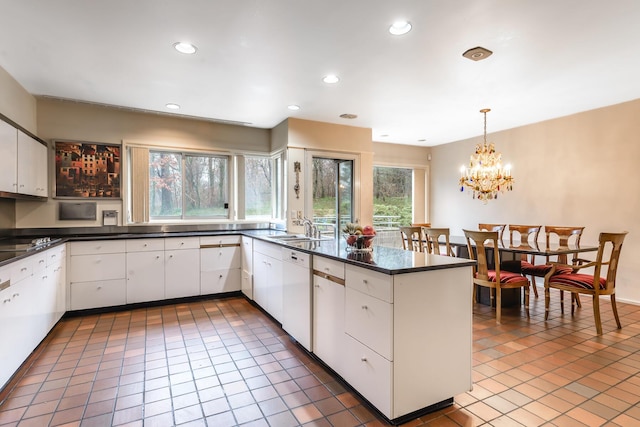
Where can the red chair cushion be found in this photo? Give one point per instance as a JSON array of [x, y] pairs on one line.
[[506, 277], [540, 270], [579, 281]]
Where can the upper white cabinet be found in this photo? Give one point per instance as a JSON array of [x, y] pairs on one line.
[[8, 159], [32, 166]]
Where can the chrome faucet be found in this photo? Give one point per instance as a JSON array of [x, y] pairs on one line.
[[308, 227]]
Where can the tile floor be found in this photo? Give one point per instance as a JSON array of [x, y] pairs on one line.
[[224, 363]]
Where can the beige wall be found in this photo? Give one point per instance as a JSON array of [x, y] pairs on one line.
[[307, 135], [16, 103], [94, 123], [575, 170]]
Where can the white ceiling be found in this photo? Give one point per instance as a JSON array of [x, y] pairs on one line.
[[255, 57]]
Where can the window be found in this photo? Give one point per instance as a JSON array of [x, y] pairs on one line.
[[259, 175], [185, 185], [392, 197]]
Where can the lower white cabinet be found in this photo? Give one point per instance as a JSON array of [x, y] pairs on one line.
[[182, 267], [31, 298], [369, 373], [220, 264], [145, 270], [328, 313], [267, 277], [98, 293], [403, 341], [97, 274], [247, 267]]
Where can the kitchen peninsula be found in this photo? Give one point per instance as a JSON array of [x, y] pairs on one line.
[[396, 325]]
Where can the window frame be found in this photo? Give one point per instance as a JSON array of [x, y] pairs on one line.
[[184, 217]]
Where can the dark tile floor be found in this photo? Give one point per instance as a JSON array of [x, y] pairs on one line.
[[224, 363]]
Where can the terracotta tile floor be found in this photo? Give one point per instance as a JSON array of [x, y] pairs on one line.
[[223, 363]]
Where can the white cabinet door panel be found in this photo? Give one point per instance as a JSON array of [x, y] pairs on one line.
[[328, 322], [370, 321], [88, 268], [97, 247], [218, 281], [145, 276], [102, 293], [370, 282], [9, 158], [369, 373], [182, 273]]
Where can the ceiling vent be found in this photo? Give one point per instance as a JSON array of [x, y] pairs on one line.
[[349, 116], [477, 53]]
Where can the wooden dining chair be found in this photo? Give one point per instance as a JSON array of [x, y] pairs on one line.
[[412, 238], [601, 282], [496, 280], [493, 227], [565, 236], [434, 244], [526, 235]]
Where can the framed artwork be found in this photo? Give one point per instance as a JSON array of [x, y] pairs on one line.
[[87, 170]]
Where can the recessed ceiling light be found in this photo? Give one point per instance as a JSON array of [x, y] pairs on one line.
[[400, 27], [293, 107], [384, 135], [331, 78], [184, 47], [172, 106]]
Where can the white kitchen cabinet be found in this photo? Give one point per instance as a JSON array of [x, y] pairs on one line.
[[220, 264], [328, 313], [9, 158], [32, 166], [97, 274], [14, 326], [267, 277], [145, 270], [407, 336], [182, 267], [369, 373], [247, 267], [29, 306]]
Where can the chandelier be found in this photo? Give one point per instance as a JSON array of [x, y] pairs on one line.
[[485, 175]]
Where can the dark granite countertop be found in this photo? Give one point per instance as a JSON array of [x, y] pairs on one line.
[[381, 259]]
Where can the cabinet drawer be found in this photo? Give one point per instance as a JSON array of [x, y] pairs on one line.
[[370, 321], [370, 282], [88, 268], [328, 266], [181, 243], [144, 245], [220, 240], [369, 373], [220, 258], [39, 262], [55, 255], [269, 249], [219, 281], [103, 293], [17, 271], [97, 247]]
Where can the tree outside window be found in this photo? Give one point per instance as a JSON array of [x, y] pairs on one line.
[[187, 186], [258, 192]]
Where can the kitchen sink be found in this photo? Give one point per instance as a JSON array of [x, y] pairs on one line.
[[292, 238]]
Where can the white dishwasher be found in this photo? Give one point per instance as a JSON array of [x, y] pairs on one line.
[[296, 293]]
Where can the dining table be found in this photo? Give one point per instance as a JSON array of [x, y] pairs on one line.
[[510, 254]]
